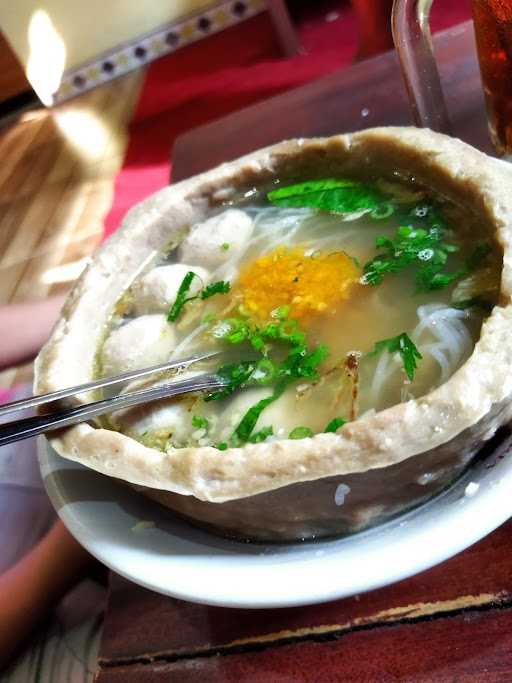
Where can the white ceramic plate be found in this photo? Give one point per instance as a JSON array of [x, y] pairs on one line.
[[176, 559]]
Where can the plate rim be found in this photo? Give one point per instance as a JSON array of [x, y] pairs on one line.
[[447, 526]]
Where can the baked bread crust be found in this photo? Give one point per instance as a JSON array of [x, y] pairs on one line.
[[465, 411]]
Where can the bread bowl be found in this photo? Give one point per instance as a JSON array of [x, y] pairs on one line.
[[372, 467]]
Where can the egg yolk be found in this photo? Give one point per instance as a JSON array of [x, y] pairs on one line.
[[310, 284]]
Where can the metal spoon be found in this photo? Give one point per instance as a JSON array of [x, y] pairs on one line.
[[32, 426]]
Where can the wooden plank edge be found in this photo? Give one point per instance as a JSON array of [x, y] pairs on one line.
[[407, 614]]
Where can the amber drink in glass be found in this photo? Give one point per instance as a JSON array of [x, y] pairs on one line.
[[493, 30]]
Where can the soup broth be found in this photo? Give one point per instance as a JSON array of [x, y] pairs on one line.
[[331, 298]]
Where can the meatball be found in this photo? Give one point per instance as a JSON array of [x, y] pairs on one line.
[[217, 240], [156, 291], [142, 342], [166, 421], [163, 422], [283, 415]]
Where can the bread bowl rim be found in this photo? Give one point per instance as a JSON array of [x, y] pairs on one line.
[[379, 440]]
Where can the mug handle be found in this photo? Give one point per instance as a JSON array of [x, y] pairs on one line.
[[413, 43]]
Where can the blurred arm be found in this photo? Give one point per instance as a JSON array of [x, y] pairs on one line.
[[25, 327], [36, 583]]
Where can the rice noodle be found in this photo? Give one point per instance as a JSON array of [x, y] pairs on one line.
[[453, 339], [387, 365], [437, 353], [441, 333], [182, 348]]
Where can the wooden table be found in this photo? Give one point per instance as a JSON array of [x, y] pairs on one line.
[[452, 623]]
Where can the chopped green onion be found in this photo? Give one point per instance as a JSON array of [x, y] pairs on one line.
[[299, 363], [232, 330], [199, 422], [260, 436], [265, 372], [382, 211], [300, 433], [225, 246], [286, 330], [281, 313], [181, 297], [412, 246], [219, 287], [236, 376], [335, 424], [248, 422], [222, 446]]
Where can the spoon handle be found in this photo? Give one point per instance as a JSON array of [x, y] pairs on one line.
[[34, 401], [32, 426]]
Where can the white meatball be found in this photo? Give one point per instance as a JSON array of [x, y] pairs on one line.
[[217, 240], [155, 291], [144, 341], [283, 415], [164, 420], [167, 419]]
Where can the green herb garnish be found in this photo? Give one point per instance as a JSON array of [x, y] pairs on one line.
[[236, 376], [405, 347], [219, 287], [225, 246], [200, 422], [286, 330], [335, 424], [248, 422], [232, 330], [300, 363], [339, 195], [222, 446], [238, 330], [181, 297], [260, 436], [430, 277], [300, 433], [423, 248]]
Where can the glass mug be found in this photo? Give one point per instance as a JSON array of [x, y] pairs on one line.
[[493, 30]]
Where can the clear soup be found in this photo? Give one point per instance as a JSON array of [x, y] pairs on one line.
[[331, 297]]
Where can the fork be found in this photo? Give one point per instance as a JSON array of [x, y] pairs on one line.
[[33, 426]]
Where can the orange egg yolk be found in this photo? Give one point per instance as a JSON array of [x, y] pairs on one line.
[[310, 284]]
